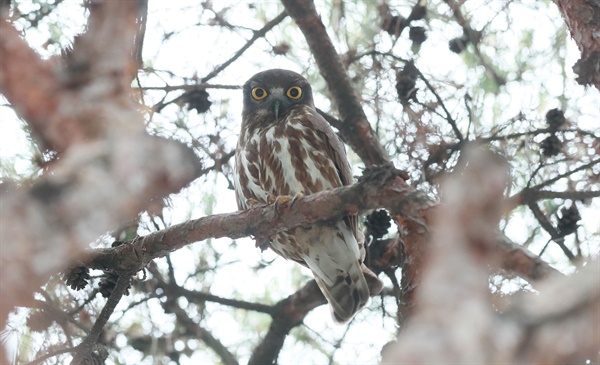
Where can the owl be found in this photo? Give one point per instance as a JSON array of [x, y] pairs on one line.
[[286, 148]]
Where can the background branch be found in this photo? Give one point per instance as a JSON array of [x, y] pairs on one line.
[[356, 129]]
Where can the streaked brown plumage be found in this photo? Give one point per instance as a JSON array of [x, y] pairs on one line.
[[285, 147]]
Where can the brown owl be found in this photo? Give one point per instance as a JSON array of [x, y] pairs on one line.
[[286, 148]]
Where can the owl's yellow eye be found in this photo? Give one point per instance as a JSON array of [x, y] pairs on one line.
[[258, 93], [294, 92]]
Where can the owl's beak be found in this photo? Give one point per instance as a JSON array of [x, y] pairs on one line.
[[276, 108]]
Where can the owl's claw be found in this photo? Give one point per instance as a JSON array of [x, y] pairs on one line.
[[282, 199], [270, 198], [298, 196], [251, 202]]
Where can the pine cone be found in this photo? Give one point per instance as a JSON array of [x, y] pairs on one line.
[[417, 34], [77, 277], [567, 224], [394, 25], [405, 82], [198, 100], [457, 45], [551, 146], [378, 223], [108, 282], [39, 321], [281, 48], [555, 118]]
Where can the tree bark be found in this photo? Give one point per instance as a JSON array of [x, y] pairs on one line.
[[583, 20]]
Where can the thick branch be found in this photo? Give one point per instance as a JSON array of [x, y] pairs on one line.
[[454, 294], [558, 326], [31, 89], [562, 321], [109, 167], [523, 262], [581, 17], [379, 187], [356, 129]]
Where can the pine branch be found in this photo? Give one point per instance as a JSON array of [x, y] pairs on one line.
[[84, 349], [356, 129]]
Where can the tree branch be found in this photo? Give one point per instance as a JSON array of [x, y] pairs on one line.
[[109, 167], [557, 326], [379, 187], [257, 35], [581, 17], [356, 129], [526, 264], [453, 293], [531, 195], [30, 89], [287, 314], [83, 350], [208, 297], [172, 290], [562, 321], [545, 223]]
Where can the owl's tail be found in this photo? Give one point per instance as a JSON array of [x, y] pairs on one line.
[[346, 282], [350, 292]]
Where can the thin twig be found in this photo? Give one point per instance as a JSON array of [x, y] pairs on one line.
[[568, 173], [187, 87], [545, 223], [257, 35], [449, 118], [45, 357]]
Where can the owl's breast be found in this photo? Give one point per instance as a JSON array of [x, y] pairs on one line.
[[294, 159], [285, 158]]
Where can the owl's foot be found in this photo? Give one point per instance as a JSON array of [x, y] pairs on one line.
[[251, 202], [282, 199], [270, 198], [297, 197]]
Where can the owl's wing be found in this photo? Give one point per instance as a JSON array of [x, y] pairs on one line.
[[337, 153]]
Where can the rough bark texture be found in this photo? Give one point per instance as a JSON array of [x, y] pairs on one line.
[[454, 320], [380, 187], [583, 20]]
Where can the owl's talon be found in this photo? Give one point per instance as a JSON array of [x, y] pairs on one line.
[[251, 202], [270, 198], [281, 199], [297, 197]]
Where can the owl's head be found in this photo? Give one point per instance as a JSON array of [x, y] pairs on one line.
[[271, 94]]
